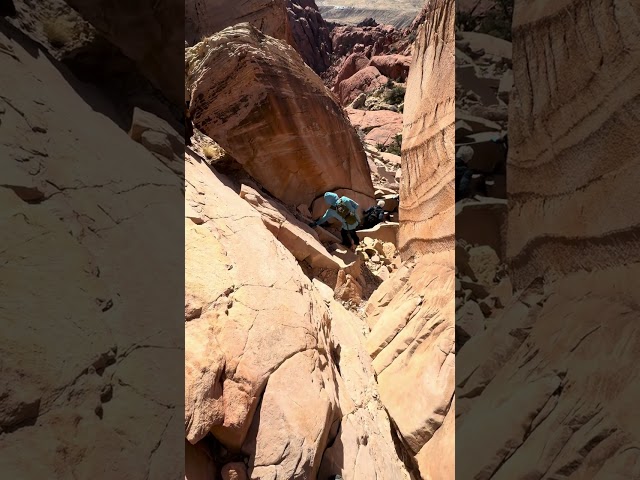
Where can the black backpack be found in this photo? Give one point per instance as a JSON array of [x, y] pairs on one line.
[[373, 216]]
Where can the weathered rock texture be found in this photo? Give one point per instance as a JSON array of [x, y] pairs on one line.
[[206, 17], [427, 188], [84, 208], [310, 33], [280, 379], [411, 315], [558, 368], [247, 85], [548, 220], [147, 32]]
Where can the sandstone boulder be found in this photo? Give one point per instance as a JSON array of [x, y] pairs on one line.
[[234, 471], [159, 138], [385, 232], [366, 80], [349, 67], [368, 120], [392, 66], [247, 85]]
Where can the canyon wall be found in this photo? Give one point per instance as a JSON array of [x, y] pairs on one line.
[[411, 315], [427, 211], [562, 161], [553, 378]]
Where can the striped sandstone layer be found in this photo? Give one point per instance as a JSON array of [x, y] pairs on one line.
[[427, 188]]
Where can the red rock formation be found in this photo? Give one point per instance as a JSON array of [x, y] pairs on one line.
[[349, 67], [345, 38], [392, 66], [366, 80], [310, 34], [257, 99]]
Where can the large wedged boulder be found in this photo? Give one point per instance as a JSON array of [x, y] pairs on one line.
[[204, 18], [255, 97], [427, 187]]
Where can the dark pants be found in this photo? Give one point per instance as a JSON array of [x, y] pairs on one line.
[[346, 241]]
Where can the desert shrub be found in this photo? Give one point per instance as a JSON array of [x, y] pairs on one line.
[[394, 147], [210, 151], [395, 96], [59, 31]]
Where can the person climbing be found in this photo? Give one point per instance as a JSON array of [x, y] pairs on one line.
[[463, 172], [374, 215], [346, 211]]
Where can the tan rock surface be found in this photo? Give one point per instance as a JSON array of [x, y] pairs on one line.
[[570, 410], [300, 239], [427, 188], [363, 446], [83, 214], [263, 372], [558, 367], [385, 232], [412, 342], [411, 315], [245, 84]]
